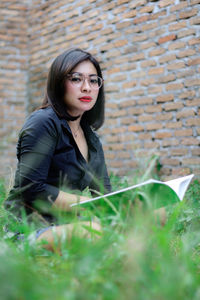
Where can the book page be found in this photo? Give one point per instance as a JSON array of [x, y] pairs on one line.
[[179, 186]]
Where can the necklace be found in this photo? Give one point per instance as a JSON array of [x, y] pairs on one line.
[[75, 133]]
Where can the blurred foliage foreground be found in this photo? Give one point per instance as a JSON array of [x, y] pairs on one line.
[[135, 257]]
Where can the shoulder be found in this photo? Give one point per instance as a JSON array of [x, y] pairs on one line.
[[42, 119]]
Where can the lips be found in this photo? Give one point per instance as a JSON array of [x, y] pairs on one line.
[[85, 99]]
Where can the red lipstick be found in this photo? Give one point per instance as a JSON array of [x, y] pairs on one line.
[[85, 99]]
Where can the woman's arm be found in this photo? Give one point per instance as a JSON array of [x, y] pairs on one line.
[[64, 200]]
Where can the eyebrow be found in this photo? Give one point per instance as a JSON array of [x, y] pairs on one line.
[[84, 74]]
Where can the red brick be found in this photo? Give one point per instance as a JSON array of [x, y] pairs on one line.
[[148, 63], [128, 120], [174, 86], [145, 100], [127, 103], [154, 126], [185, 53], [193, 102], [156, 52], [151, 145], [139, 92], [185, 73], [155, 90], [136, 128], [178, 25], [193, 122], [136, 110], [167, 58], [190, 141], [167, 38], [173, 125], [196, 152], [156, 71], [170, 142], [179, 6], [185, 113], [187, 94], [176, 65], [195, 21], [164, 116], [165, 98], [192, 161], [170, 161], [135, 4], [173, 106], [176, 45], [139, 38], [123, 155], [146, 9], [144, 136], [145, 118], [118, 130], [153, 108], [167, 20], [193, 2], [178, 152], [149, 26], [194, 41], [129, 14], [163, 135], [124, 24], [183, 171], [165, 79], [165, 3], [118, 113], [137, 57], [192, 82], [186, 32], [128, 85], [188, 14], [141, 19], [116, 164], [183, 132], [194, 61], [148, 81], [155, 16]]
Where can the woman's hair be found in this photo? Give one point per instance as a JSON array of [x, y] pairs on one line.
[[55, 92]]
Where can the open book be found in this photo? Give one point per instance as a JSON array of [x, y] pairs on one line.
[[161, 193]]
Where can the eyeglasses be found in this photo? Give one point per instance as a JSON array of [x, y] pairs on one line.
[[77, 79]]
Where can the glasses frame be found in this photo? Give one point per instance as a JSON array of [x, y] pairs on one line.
[[84, 78]]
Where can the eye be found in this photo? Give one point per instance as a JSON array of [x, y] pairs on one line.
[[76, 79], [94, 80]]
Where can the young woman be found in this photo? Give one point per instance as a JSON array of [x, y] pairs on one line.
[[57, 146]]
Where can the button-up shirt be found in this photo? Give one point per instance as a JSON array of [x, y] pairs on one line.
[[49, 160]]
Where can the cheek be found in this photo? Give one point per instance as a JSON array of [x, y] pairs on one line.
[[69, 89], [95, 94]]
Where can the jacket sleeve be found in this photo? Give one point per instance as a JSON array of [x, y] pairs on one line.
[[36, 147]]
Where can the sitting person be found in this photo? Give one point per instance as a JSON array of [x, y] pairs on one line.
[[57, 146]]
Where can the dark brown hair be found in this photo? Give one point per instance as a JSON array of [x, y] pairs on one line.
[[54, 97]]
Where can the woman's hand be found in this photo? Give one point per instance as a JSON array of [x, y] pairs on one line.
[[64, 200]]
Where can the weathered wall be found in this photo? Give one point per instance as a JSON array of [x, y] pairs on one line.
[[149, 52], [13, 79]]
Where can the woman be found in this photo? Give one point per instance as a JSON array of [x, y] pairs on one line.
[[57, 147]]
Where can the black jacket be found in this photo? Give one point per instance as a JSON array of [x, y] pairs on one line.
[[49, 159]]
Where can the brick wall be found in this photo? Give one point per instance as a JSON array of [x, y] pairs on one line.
[[13, 79], [149, 52]]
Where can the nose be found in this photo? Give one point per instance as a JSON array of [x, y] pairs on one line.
[[86, 86]]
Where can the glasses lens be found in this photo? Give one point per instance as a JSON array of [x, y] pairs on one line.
[[78, 79], [95, 81]]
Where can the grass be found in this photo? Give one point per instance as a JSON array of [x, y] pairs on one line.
[[136, 257]]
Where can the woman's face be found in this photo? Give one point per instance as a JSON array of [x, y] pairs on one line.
[[80, 95]]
